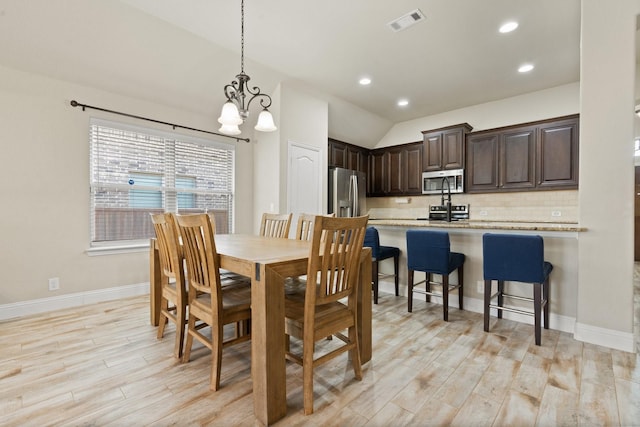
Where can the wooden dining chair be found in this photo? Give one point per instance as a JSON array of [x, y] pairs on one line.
[[210, 304], [275, 225], [173, 304], [304, 226], [329, 307]]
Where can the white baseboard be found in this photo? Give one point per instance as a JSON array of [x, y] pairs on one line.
[[606, 337], [592, 334], [42, 305]]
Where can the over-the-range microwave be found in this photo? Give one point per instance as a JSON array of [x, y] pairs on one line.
[[434, 182]]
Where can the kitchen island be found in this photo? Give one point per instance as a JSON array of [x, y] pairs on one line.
[[561, 249]]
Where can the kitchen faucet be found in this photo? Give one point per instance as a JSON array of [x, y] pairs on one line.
[[444, 178]]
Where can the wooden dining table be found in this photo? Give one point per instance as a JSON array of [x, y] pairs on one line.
[[268, 261]]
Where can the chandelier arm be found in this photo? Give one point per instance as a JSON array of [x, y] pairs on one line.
[[265, 100], [231, 91]]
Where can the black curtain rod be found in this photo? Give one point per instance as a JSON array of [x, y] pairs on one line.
[[75, 103]]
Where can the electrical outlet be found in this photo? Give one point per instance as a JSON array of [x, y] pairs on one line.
[[480, 287], [483, 213], [556, 213], [54, 284]]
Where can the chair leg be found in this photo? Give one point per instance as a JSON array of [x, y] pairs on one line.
[[395, 272], [374, 277], [355, 353], [216, 358], [164, 307], [487, 301], [181, 322], [307, 376], [537, 303], [191, 326], [428, 287], [545, 292], [445, 297], [500, 297], [460, 286], [410, 290]]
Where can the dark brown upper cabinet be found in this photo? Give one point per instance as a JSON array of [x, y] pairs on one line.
[[557, 157], [378, 173], [482, 162], [444, 148], [348, 156], [413, 168], [396, 170], [517, 151], [533, 156]]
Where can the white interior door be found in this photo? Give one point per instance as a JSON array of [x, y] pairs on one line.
[[304, 186]]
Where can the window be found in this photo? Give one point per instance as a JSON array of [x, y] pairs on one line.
[[136, 171]]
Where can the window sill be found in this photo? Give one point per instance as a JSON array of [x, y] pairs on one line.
[[117, 249]]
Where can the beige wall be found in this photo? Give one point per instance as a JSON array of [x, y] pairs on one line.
[[605, 297], [44, 184], [302, 118]]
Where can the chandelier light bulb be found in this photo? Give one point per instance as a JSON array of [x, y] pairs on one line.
[[230, 115], [230, 130], [265, 122]]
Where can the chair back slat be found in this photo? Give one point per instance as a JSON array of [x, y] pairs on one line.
[[201, 257], [169, 251], [334, 258], [275, 225]]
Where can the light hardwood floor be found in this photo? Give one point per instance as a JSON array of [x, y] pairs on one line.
[[102, 365]]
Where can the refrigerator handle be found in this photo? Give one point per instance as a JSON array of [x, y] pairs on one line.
[[353, 192]]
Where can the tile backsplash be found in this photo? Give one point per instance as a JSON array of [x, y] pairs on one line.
[[531, 206]]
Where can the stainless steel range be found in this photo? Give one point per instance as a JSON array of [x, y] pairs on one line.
[[439, 212]]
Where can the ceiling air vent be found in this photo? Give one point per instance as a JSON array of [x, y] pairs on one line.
[[406, 20]]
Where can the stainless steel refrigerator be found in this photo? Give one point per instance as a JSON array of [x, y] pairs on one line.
[[347, 192]]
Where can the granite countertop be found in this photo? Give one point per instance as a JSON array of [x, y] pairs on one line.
[[480, 225]]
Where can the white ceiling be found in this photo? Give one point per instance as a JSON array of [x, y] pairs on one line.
[[452, 59]]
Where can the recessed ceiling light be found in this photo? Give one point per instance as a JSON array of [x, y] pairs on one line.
[[403, 103], [365, 81], [525, 68], [508, 27]]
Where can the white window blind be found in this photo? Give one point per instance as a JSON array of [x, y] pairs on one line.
[[136, 171]]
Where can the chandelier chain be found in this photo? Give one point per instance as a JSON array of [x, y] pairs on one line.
[[242, 36]]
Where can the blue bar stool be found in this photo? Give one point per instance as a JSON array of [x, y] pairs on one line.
[[430, 252], [517, 258], [380, 253]]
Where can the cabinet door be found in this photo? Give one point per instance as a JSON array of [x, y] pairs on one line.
[[557, 162], [413, 169], [453, 149], [396, 171], [482, 162], [432, 152], [517, 153], [337, 154], [377, 173], [356, 159]]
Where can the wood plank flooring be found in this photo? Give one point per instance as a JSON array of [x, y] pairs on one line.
[[102, 365]]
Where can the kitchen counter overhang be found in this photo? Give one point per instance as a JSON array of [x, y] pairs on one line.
[[480, 225]]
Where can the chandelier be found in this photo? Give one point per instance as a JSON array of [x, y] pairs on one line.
[[236, 109]]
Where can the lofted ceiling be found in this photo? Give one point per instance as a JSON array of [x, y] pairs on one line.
[[182, 52]]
